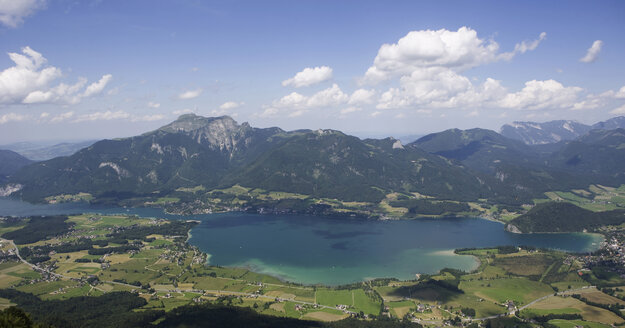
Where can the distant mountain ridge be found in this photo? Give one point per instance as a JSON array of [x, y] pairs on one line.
[[11, 162], [533, 133], [529, 169], [41, 152], [218, 152], [213, 153]]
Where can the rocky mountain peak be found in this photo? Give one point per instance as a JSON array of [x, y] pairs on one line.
[[191, 122], [221, 132]]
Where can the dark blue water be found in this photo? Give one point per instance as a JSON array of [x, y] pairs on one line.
[[311, 250]]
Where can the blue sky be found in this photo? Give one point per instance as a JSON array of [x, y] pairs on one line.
[[102, 69]]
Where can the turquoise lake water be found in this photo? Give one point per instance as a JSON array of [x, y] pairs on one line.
[[311, 250]]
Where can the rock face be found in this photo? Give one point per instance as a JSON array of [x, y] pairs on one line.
[[512, 228], [9, 189], [221, 133]]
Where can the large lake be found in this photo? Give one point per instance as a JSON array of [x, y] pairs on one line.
[[311, 250]]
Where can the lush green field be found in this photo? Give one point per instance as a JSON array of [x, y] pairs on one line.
[[332, 297], [519, 290]]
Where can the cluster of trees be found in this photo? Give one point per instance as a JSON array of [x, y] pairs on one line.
[[565, 217], [109, 310], [118, 309], [40, 228], [426, 207], [14, 317], [173, 228], [118, 249], [211, 315], [37, 254], [79, 245], [469, 312], [508, 249], [565, 316]]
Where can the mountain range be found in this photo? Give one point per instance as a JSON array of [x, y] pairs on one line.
[[41, 151], [11, 162], [217, 152], [533, 133]]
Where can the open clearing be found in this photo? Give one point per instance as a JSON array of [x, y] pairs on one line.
[[589, 313]]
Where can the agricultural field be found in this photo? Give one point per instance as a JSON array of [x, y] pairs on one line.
[[82, 196], [596, 198], [560, 305]]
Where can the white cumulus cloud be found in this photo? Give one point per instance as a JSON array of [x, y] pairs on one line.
[[230, 105], [13, 12], [549, 94], [190, 94], [309, 76], [328, 97], [60, 93], [154, 104], [97, 87], [593, 52], [362, 96], [26, 76], [325, 98], [457, 50], [528, 46], [29, 80], [296, 104], [523, 47]]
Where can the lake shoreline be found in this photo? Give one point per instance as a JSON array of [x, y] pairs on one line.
[[393, 248]]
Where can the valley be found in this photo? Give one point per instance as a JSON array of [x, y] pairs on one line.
[[151, 261]]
